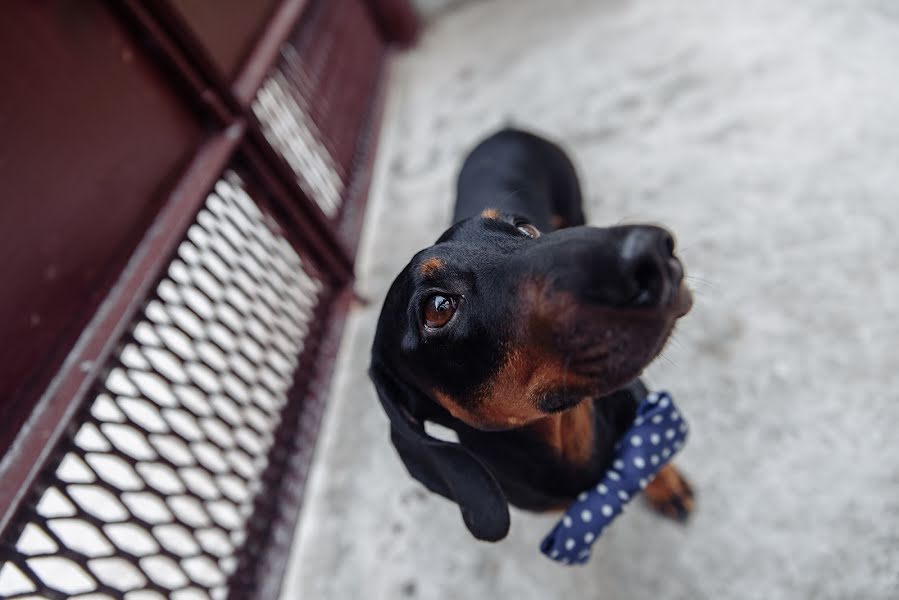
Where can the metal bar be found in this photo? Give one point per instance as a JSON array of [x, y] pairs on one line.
[[199, 89], [297, 209], [327, 247], [169, 30], [267, 50], [201, 75], [396, 19], [352, 211], [53, 412]]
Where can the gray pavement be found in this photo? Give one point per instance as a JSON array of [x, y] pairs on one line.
[[766, 135]]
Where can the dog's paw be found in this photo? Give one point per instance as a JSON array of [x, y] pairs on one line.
[[670, 494]]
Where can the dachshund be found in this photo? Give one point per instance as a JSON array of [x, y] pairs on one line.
[[525, 332]]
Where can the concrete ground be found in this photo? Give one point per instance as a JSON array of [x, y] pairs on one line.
[[766, 135]]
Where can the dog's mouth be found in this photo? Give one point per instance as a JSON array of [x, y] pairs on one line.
[[612, 356]]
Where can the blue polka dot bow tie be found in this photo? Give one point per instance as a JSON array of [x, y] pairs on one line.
[[657, 434]]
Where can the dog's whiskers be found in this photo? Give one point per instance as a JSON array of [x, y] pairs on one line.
[[511, 194], [702, 283], [674, 340], [668, 359]]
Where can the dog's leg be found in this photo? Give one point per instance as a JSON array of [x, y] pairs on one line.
[[670, 494]]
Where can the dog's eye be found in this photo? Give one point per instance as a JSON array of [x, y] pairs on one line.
[[438, 310], [528, 229]]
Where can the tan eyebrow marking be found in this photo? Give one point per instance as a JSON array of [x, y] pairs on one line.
[[431, 266], [491, 213], [558, 222]]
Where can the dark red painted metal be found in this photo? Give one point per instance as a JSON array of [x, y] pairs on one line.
[[397, 20], [92, 138], [351, 218], [161, 24], [267, 50], [227, 29], [307, 221], [334, 71], [118, 118], [260, 558], [23, 461]]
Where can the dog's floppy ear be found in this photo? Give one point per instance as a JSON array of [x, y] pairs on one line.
[[445, 468]]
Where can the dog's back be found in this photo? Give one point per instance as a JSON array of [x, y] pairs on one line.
[[520, 173]]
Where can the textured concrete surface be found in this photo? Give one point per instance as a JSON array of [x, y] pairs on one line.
[[766, 134]]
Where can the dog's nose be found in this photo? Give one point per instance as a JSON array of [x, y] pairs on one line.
[[649, 269]]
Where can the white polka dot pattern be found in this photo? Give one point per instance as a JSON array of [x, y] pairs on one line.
[[634, 465]]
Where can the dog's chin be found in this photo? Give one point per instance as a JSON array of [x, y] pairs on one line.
[[609, 379], [611, 373], [622, 356]]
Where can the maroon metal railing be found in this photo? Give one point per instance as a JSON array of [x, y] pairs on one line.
[[196, 282]]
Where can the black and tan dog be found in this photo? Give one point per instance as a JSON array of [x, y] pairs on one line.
[[524, 331]]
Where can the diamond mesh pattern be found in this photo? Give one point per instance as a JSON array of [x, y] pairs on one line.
[[288, 126], [315, 105], [157, 480]]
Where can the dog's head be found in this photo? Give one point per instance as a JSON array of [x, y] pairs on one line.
[[500, 325]]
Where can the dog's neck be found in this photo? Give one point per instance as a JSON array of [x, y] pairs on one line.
[[569, 434], [545, 464]]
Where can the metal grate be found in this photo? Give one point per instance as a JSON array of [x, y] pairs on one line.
[[313, 107], [289, 128], [155, 486]]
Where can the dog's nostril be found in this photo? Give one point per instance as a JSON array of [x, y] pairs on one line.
[[647, 279], [668, 243]]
